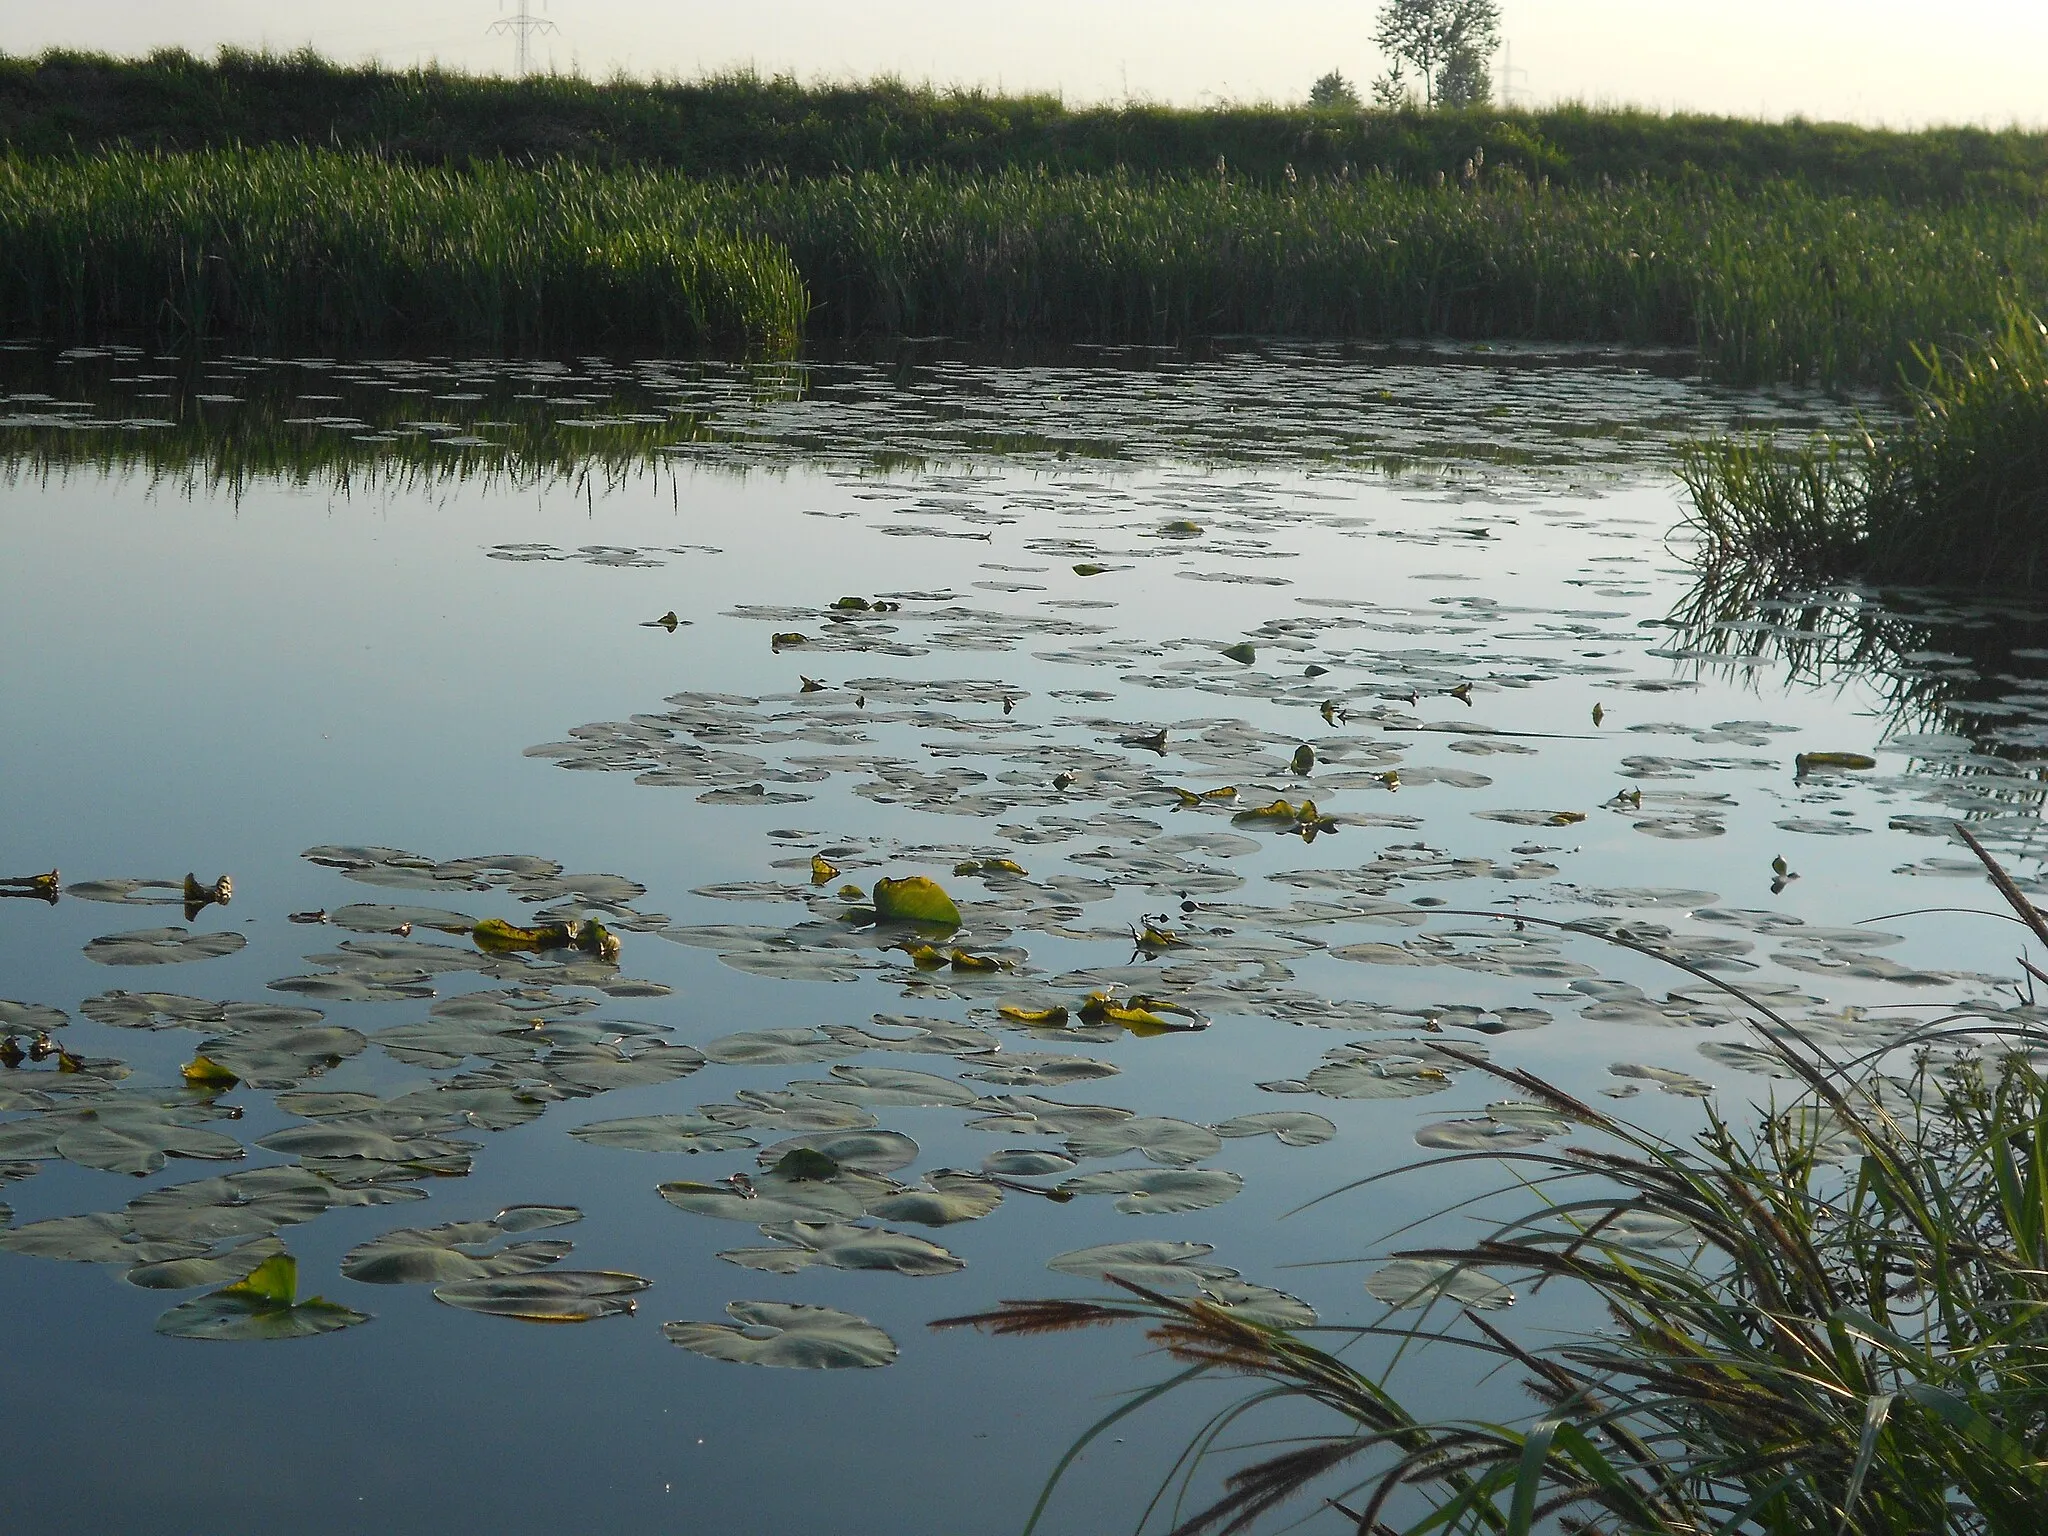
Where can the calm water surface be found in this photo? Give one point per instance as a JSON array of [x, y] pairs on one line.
[[374, 640]]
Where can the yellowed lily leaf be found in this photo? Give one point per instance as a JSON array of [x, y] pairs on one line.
[[915, 899]]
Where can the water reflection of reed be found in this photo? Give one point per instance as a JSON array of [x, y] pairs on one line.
[[362, 437], [1942, 666]]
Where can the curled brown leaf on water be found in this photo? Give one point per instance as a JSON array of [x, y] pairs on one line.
[[44, 887]]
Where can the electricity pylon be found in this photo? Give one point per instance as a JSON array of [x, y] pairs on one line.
[[522, 24]]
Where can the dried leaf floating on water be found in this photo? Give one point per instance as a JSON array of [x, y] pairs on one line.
[[1810, 762], [220, 893], [44, 887], [775, 1333]]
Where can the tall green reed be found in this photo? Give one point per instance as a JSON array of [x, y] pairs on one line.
[[291, 248]]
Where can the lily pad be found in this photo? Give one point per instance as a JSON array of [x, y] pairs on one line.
[[459, 1250], [31, 1018], [664, 1133], [778, 1197], [264, 1306], [551, 1296], [1291, 1127], [778, 1048], [878, 1152], [1159, 1191], [1176, 1143], [796, 1337], [1411, 1283], [1156, 1265], [161, 946], [228, 1268], [837, 1245], [947, 1196]]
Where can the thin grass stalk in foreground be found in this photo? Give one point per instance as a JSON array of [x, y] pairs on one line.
[[1832, 1324]]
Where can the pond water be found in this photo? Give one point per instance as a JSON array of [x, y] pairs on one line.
[[384, 643]]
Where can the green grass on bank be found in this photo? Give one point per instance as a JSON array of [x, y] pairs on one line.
[[1957, 496], [286, 249], [289, 248], [741, 125]]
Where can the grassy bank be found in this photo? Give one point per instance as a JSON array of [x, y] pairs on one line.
[[289, 248], [1957, 496], [295, 247], [740, 125]]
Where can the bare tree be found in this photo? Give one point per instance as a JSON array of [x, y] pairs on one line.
[[1450, 43]]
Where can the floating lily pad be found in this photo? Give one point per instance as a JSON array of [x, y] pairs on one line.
[[459, 1250], [599, 1068], [264, 1306], [1177, 1143], [228, 1268], [879, 1152], [31, 1018], [152, 1010], [1412, 1283], [890, 1087], [1041, 1069], [1159, 1191], [837, 1245], [1291, 1127], [1027, 1163], [779, 1334], [777, 1197], [947, 1196], [161, 946], [551, 1296], [101, 1237], [778, 1048], [664, 1133], [1156, 1265]]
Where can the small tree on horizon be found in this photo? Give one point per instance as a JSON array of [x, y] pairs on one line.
[[1450, 43], [1333, 93]]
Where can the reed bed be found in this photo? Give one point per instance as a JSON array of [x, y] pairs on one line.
[[1777, 285], [294, 248], [1834, 1323], [1958, 495], [290, 246]]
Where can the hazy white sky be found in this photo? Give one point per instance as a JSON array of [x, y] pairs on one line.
[[1893, 61]]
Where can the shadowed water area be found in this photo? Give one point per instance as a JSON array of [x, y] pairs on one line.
[[1263, 713]]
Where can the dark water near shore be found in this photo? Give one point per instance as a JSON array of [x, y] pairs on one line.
[[356, 633]]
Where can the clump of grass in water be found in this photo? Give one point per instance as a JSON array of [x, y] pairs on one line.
[[1856, 1344], [1957, 495]]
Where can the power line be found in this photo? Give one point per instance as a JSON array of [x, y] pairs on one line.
[[522, 24]]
